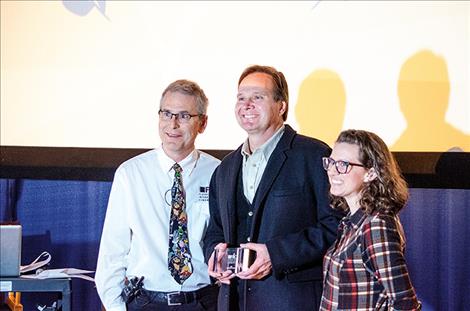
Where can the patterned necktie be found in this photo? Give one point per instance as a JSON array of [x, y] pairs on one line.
[[179, 255]]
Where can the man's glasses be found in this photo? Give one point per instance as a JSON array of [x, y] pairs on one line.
[[342, 167], [255, 98], [182, 117]]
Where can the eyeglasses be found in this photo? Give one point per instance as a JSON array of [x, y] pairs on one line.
[[342, 167], [255, 98], [182, 117]]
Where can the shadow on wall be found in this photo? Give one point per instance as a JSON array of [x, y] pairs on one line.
[[321, 105], [423, 91]]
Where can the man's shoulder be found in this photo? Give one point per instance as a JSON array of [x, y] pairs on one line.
[[299, 142], [207, 162], [309, 142], [207, 158], [229, 161], [140, 159], [306, 148], [232, 156]]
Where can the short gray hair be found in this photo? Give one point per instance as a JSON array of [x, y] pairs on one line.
[[190, 88]]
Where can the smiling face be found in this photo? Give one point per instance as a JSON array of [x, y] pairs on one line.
[[256, 110], [178, 137], [347, 185]]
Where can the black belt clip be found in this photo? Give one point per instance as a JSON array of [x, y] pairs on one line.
[[132, 289]]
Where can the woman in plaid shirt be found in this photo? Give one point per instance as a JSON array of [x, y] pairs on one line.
[[365, 269]]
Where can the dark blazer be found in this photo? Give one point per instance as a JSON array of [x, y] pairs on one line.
[[291, 216]]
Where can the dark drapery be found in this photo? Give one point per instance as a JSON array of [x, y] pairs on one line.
[[64, 218], [436, 223]]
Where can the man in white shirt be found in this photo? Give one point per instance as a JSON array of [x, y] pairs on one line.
[[152, 196]]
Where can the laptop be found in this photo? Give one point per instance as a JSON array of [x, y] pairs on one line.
[[10, 250]]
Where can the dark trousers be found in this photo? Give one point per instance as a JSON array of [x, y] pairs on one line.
[[308, 297], [202, 299]]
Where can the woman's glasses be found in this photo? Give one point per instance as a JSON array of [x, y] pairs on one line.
[[342, 167]]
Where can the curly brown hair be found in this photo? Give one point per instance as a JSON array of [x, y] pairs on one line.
[[388, 192]]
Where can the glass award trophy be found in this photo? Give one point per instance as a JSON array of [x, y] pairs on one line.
[[234, 259]]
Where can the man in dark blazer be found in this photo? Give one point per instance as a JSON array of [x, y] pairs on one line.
[[270, 196]]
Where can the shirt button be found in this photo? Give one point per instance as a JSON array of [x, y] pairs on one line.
[[254, 165], [248, 239], [251, 187], [250, 213]]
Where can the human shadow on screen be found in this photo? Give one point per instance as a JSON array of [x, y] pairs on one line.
[[321, 105], [423, 92]]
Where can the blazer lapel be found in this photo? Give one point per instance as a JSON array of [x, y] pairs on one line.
[[273, 167], [230, 230]]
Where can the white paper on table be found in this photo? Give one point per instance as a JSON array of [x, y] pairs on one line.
[[61, 273]]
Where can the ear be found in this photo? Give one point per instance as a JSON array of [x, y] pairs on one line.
[[202, 124], [370, 175], [283, 108]]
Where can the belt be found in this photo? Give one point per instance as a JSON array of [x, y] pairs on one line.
[[179, 298]]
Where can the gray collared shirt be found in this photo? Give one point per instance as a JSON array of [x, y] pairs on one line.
[[254, 163]]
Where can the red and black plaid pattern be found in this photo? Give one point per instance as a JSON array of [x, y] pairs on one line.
[[365, 269]]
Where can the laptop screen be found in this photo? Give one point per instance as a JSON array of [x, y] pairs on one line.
[[10, 250]]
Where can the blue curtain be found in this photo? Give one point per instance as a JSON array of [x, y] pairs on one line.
[[66, 219], [438, 248]]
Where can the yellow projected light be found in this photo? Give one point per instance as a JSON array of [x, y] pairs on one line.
[[321, 105], [423, 91], [90, 73]]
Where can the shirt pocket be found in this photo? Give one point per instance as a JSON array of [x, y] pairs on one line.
[[198, 220]]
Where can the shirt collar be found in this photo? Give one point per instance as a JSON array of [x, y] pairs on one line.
[[355, 219], [187, 164], [267, 148]]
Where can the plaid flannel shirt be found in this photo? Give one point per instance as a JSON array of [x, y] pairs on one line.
[[365, 268]]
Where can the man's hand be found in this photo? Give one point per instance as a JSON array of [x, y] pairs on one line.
[[221, 276], [261, 267]]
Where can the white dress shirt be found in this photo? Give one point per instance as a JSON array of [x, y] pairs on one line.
[[254, 163], [136, 228]]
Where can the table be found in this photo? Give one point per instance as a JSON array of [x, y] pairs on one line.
[[19, 284]]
